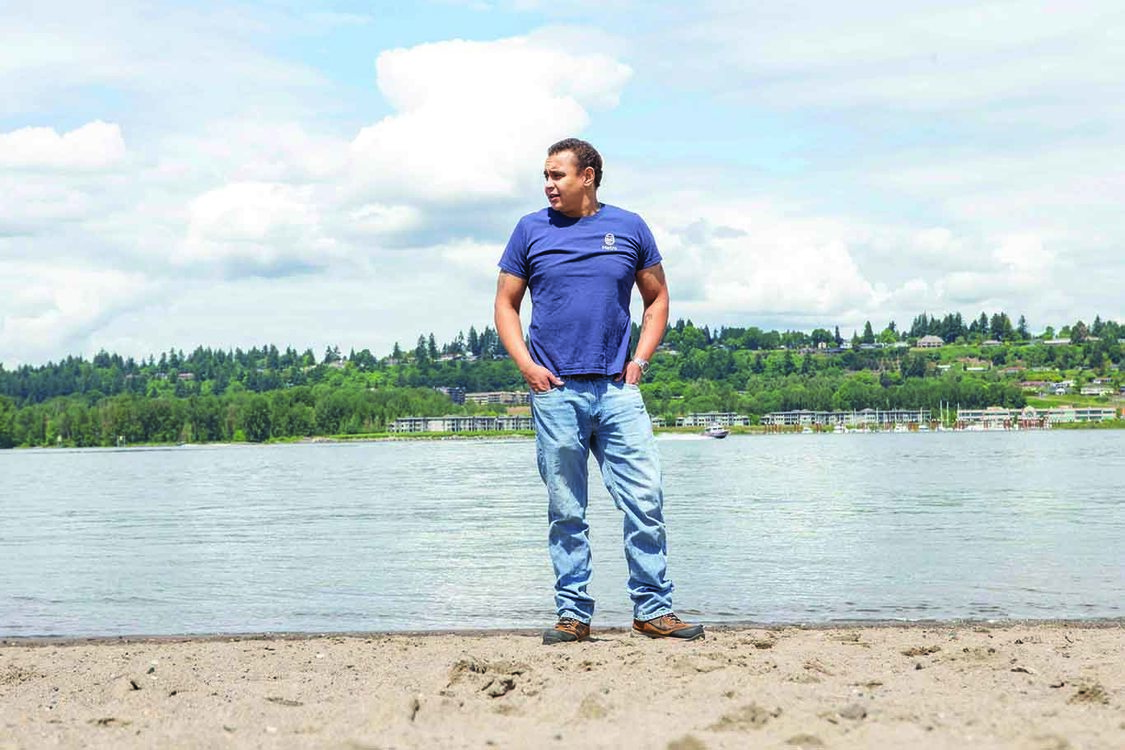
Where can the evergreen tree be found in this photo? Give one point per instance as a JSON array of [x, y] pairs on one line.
[[474, 342]]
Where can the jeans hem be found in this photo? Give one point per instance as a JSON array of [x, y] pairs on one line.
[[659, 613], [575, 616]]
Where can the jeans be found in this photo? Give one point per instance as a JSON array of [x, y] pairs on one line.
[[609, 419]]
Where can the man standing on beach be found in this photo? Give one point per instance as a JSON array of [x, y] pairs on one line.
[[580, 259]]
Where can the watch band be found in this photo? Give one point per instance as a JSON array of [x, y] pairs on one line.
[[641, 363]]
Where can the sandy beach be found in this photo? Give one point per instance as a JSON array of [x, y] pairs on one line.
[[1020, 685]]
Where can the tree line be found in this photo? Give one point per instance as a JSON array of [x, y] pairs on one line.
[[264, 393]]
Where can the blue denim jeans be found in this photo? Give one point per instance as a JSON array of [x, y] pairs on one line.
[[609, 419]]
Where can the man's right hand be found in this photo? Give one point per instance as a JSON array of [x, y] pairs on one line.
[[540, 378]]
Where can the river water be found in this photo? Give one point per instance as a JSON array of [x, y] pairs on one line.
[[451, 534]]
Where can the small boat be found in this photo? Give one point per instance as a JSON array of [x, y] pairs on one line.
[[716, 431]]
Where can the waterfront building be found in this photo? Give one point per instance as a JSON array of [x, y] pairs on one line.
[[873, 418], [999, 418], [706, 419], [461, 423], [504, 398]]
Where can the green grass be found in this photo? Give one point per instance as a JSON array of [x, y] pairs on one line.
[[1050, 402], [424, 435], [1109, 424]]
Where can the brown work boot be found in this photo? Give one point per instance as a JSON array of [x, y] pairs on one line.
[[566, 630], [668, 626]]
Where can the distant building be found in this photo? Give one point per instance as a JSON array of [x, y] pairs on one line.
[[456, 393], [931, 342], [704, 419], [457, 423], [995, 417], [505, 398], [862, 418], [1095, 390], [991, 418]]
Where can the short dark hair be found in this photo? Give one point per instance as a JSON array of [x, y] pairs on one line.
[[585, 154]]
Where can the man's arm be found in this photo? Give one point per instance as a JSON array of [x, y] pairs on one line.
[[509, 295], [654, 292]]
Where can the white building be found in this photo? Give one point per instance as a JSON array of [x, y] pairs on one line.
[[457, 423], [862, 418], [705, 419], [504, 398]]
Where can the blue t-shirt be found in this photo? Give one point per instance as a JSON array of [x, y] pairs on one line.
[[581, 274]]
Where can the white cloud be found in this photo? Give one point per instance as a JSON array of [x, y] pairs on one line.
[[168, 61], [473, 118], [762, 262], [256, 227], [378, 219], [31, 206], [926, 55], [49, 310], [95, 145]]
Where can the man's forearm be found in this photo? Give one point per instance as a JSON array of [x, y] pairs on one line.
[[653, 324], [510, 330]]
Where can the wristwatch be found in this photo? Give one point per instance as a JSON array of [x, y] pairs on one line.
[[641, 363]]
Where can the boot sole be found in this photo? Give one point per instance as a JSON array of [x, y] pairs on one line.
[[671, 636], [549, 639]]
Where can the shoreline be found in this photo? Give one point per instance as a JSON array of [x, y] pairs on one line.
[[6, 641], [515, 435], [1045, 685]]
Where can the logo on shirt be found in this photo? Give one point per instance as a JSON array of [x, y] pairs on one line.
[[608, 241]]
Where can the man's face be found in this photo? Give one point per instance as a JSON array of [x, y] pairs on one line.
[[564, 185]]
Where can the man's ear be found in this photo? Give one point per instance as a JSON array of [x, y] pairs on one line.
[[588, 175]]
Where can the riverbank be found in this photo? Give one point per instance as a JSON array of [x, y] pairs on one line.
[[378, 437], [933, 685]]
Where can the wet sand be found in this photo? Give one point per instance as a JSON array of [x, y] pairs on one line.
[[1045, 686]]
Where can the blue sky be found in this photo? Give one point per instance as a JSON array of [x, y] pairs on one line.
[[228, 174]]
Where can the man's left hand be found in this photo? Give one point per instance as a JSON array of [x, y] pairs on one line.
[[631, 374]]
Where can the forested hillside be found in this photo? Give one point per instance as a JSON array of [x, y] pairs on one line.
[[264, 393]]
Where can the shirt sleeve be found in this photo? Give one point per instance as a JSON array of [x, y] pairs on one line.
[[648, 255], [514, 259]]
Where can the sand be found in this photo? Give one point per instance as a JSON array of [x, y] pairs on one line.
[[1018, 685]]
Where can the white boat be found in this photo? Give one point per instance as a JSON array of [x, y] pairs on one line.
[[716, 431]]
